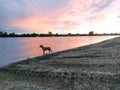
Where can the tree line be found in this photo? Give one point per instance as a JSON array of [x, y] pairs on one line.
[[91, 33], [5, 34]]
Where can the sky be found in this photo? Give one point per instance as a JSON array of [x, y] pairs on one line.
[[60, 16]]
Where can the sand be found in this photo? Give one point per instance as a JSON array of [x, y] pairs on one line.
[[91, 67]]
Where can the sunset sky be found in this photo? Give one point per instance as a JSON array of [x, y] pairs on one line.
[[60, 16]]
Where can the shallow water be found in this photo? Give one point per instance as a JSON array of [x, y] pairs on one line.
[[15, 49]]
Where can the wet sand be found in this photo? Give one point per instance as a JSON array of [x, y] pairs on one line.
[[91, 67]]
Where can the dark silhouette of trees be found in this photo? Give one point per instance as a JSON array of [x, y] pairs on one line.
[[91, 33], [69, 34], [3, 34], [49, 34], [12, 34]]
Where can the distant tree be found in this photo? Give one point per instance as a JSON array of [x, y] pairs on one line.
[[12, 34], [69, 34], [56, 34], [91, 33], [77, 34], [34, 35], [3, 34], [50, 33]]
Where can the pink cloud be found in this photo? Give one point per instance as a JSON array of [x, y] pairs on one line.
[[75, 14]]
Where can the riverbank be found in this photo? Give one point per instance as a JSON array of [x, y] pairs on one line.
[[91, 67]]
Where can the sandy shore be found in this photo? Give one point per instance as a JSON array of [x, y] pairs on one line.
[[91, 67]]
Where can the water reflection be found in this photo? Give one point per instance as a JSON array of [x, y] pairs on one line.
[[14, 49]]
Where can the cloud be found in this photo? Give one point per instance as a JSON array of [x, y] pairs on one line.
[[118, 17], [101, 4], [10, 11], [56, 15], [17, 9]]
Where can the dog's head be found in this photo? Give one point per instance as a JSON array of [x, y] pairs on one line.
[[41, 45]]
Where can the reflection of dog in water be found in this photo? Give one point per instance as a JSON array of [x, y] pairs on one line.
[[45, 49]]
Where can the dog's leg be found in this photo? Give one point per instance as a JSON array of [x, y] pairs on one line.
[[43, 52], [49, 51]]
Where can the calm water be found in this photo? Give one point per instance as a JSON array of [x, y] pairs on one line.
[[15, 49]]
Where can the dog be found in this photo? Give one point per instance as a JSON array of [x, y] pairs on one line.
[[46, 49]]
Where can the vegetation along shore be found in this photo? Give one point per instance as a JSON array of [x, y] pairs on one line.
[[91, 67], [49, 34]]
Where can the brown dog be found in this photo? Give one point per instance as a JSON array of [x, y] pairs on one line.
[[46, 49]]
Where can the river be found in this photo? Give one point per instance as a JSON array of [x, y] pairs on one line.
[[16, 49]]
